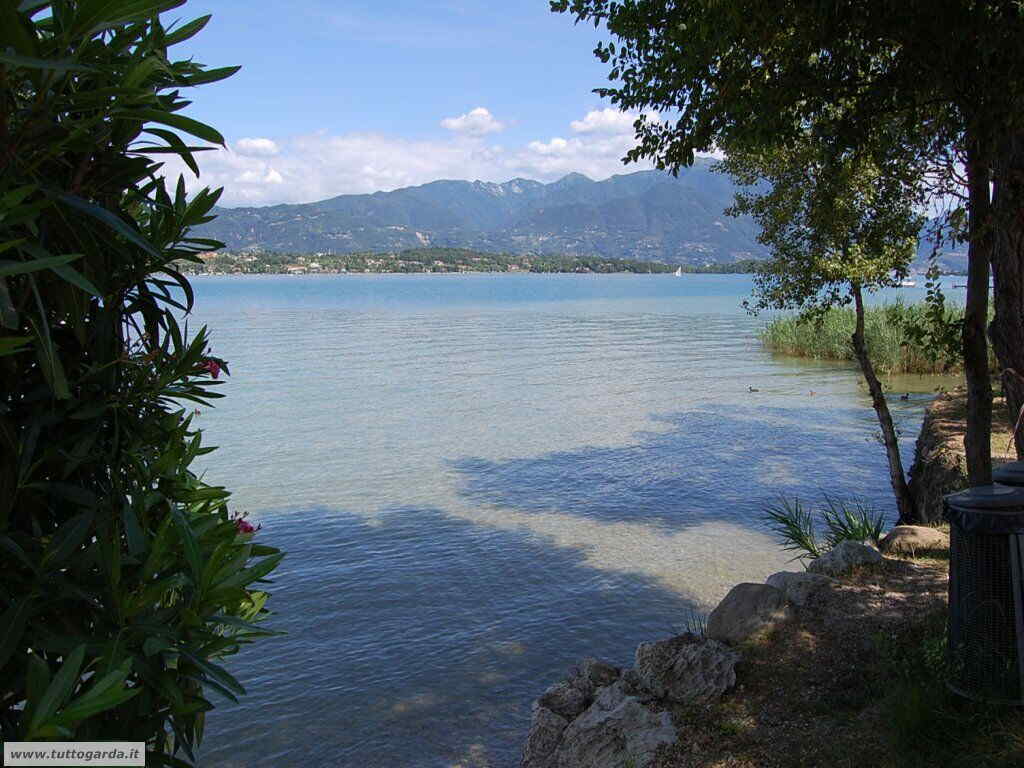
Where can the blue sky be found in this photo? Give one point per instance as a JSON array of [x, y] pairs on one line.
[[337, 98]]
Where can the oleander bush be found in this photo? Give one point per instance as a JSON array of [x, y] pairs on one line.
[[125, 579]]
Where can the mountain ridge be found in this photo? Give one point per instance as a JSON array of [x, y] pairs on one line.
[[644, 215], [647, 215]]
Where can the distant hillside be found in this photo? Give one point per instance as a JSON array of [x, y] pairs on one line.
[[951, 258], [646, 215]]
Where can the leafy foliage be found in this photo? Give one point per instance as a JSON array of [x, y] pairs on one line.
[[830, 221], [850, 521], [793, 523], [837, 520], [837, 224], [125, 577], [938, 331]]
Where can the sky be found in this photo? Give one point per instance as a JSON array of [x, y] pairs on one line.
[[340, 98]]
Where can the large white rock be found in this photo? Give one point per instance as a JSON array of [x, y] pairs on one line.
[[844, 556], [799, 586], [747, 610], [686, 669], [617, 730], [908, 539]]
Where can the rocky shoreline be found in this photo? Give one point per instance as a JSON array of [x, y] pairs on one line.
[[779, 676], [601, 716]]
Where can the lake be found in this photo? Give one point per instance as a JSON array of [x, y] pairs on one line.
[[482, 479]]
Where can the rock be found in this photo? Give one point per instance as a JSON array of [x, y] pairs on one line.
[[687, 669], [598, 674], [566, 699], [631, 684], [844, 556], [545, 734], [747, 610], [908, 539], [616, 730], [798, 587]]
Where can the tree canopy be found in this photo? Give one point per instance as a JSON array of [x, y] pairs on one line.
[[760, 72], [828, 221]]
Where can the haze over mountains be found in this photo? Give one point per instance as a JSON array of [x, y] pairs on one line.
[[648, 215]]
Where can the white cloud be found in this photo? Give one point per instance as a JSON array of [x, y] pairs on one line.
[[605, 121], [316, 166], [476, 122], [256, 147]]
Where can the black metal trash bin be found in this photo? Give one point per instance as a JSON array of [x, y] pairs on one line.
[[1009, 474], [986, 592]]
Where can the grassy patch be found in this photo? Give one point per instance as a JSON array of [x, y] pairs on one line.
[[927, 724], [890, 347]]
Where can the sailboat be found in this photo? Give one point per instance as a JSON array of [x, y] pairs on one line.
[[678, 272]]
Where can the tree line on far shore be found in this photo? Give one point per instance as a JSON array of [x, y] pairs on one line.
[[420, 260]]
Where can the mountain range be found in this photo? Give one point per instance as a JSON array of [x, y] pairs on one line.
[[647, 215]]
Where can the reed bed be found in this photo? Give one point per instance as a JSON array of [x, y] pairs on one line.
[[890, 347]]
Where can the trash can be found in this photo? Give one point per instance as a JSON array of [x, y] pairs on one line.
[[986, 592], [1009, 474]]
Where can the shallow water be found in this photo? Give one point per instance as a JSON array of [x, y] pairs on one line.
[[481, 479]]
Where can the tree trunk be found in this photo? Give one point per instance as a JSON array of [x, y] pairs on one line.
[[978, 440], [1007, 327], [904, 500]]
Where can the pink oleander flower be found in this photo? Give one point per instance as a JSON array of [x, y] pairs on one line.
[[244, 526], [212, 367]]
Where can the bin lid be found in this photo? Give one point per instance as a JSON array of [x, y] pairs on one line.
[[1009, 474], [987, 509]]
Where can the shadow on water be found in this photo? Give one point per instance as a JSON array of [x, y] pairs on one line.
[[419, 639], [738, 459]]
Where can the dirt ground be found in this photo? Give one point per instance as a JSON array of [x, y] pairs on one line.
[[826, 688]]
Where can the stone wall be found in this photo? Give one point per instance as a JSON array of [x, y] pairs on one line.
[[940, 465]]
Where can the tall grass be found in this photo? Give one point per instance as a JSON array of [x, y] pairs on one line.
[[890, 347]]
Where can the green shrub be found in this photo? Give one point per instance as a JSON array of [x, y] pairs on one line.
[[852, 520], [894, 342], [125, 578], [795, 525]]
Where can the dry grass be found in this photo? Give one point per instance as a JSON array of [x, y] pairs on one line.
[[950, 415], [849, 682]]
